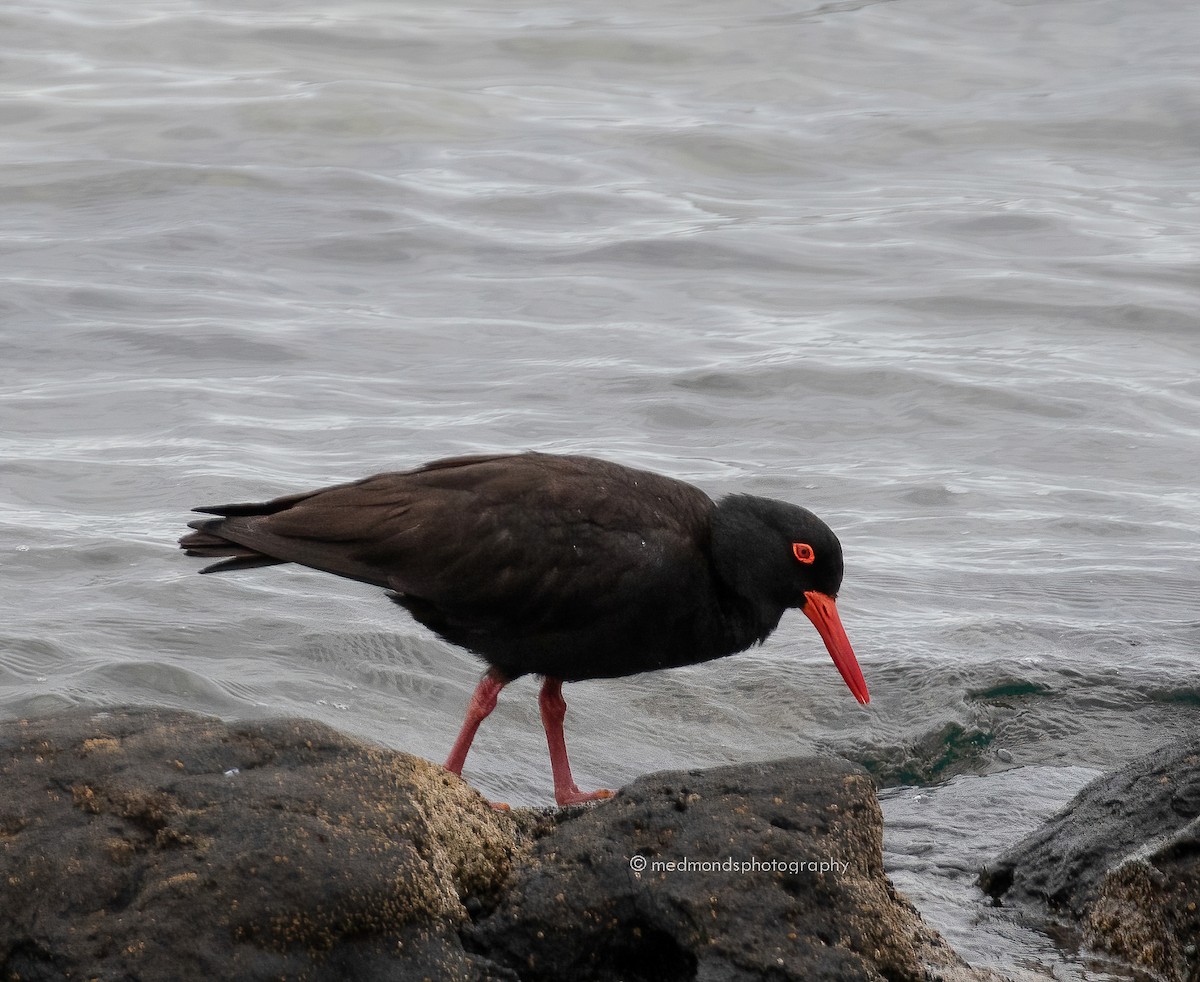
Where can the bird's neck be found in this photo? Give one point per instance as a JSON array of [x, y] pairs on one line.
[[742, 623], [748, 608]]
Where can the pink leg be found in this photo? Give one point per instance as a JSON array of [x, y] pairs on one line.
[[482, 703], [554, 708]]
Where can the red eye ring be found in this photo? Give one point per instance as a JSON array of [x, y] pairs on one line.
[[804, 553]]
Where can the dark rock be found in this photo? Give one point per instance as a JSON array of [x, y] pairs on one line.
[[1121, 864], [150, 844], [790, 886]]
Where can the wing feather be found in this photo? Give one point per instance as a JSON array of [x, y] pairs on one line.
[[532, 536]]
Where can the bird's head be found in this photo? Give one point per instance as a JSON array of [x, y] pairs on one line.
[[786, 553]]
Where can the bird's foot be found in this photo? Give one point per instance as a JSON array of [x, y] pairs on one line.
[[573, 796]]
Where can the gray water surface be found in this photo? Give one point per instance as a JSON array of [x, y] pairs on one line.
[[926, 267]]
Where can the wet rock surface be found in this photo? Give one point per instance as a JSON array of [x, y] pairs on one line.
[[761, 871], [154, 844], [1120, 864]]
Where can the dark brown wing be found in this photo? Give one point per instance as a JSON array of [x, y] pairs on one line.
[[532, 539]]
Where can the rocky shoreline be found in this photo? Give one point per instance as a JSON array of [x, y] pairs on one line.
[[1119, 866], [156, 844]]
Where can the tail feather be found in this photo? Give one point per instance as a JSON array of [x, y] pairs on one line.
[[207, 543], [240, 562], [254, 507]]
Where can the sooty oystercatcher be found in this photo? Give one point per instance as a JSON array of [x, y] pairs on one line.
[[565, 567]]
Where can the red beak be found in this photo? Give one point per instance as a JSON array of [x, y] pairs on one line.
[[822, 611]]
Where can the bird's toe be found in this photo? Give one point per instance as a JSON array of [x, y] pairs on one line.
[[574, 796]]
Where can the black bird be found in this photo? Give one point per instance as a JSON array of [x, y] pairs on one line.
[[561, 566]]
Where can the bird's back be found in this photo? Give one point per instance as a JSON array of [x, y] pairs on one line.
[[559, 565]]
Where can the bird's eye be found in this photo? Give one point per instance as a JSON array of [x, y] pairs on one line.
[[804, 552]]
